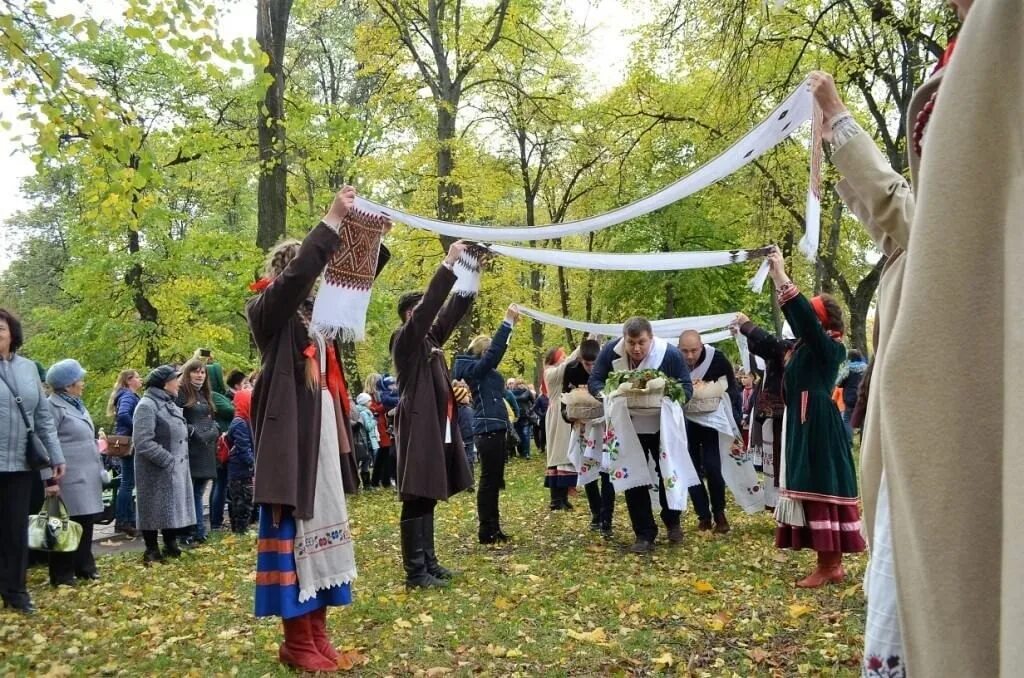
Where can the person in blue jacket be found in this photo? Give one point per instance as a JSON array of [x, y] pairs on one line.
[[479, 369], [638, 348], [121, 406]]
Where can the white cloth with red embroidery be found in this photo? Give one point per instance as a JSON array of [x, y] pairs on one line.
[[629, 467], [883, 640], [737, 461], [325, 554]]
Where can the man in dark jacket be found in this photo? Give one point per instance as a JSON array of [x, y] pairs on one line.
[[479, 369], [639, 348], [431, 458], [708, 365], [524, 427]]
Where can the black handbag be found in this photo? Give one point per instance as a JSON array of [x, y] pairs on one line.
[[36, 454]]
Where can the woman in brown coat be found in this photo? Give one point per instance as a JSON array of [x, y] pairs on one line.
[[305, 559], [431, 458]]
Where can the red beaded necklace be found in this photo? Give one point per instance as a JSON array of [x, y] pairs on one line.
[[925, 114]]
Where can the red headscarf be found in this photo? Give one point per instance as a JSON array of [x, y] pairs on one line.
[[243, 404], [818, 304]]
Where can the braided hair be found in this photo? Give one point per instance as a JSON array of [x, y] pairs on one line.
[[279, 257]]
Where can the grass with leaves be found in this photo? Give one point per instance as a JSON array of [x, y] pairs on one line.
[[559, 600]]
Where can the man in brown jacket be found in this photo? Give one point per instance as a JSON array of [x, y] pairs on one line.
[[431, 457]]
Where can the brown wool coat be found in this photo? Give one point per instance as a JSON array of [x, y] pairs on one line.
[[883, 201], [427, 467], [285, 412], [953, 457]]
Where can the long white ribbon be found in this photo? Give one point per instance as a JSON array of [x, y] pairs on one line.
[[641, 261], [671, 327], [788, 116]]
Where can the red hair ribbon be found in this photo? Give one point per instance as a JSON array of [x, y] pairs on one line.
[[818, 304], [261, 284], [557, 358]]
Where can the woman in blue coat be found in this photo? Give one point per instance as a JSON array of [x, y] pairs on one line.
[[479, 369], [121, 406]]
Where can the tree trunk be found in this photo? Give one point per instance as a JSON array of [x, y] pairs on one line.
[[148, 313], [272, 192]]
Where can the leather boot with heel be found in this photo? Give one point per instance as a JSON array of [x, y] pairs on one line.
[[414, 556]]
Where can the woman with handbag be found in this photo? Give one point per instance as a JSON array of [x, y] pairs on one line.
[[163, 484], [81, 488], [195, 398], [121, 406], [28, 441]]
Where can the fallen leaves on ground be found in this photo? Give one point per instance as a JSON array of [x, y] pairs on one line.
[[557, 600]]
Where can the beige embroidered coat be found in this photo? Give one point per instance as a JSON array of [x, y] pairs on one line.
[[953, 428]]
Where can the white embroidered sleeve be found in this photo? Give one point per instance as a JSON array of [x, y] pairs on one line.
[[844, 128]]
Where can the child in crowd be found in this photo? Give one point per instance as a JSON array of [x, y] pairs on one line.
[[241, 464]]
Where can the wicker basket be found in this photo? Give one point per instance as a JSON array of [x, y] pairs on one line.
[[584, 411], [637, 399]]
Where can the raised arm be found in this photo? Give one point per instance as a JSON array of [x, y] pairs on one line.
[[412, 334], [491, 358], [880, 197], [269, 311]]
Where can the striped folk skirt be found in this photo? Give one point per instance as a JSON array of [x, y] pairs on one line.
[[277, 584], [829, 528], [560, 477]]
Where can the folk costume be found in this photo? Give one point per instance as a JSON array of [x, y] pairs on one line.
[[560, 474], [304, 465], [703, 442], [770, 406], [817, 506], [647, 427], [432, 462], [962, 568], [884, 202]]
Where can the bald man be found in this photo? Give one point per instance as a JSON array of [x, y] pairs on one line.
[[707, 364]]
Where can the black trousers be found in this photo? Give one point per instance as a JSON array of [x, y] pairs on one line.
[[240, 504], [64, 567], [490, 453], [382, 472], [638, 499], [707, 460], [417, 508], [15, 495], [601, 497]]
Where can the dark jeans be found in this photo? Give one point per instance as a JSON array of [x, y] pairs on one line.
[[601, 497], [523, 429], [218, 495], [540, 435], [417, 508], [240, 509], [15, 495], [381, 475], [847, 419], [124, 506], [64, 567], [198, 489], [638, 499], [707, 460], [490, 451]]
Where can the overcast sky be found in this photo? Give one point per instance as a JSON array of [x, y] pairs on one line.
[[609, 20]]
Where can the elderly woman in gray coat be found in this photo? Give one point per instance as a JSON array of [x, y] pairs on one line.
[[19, 378], [81, 488], [163, 484]]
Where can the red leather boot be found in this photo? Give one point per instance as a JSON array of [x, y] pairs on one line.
[[299, 650], [318, 619], [829, 571]]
